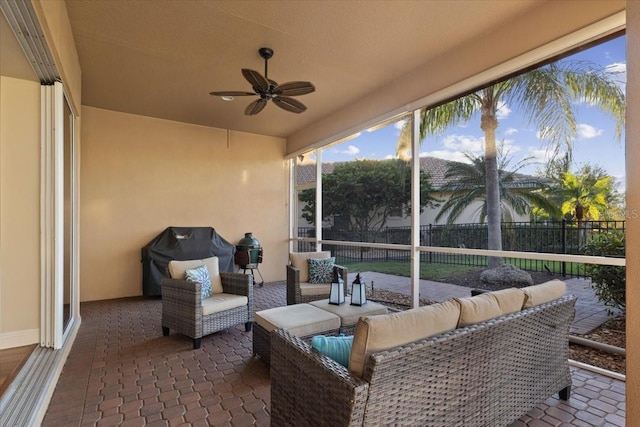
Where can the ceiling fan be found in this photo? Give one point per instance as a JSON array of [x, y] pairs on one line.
[[268, 89]]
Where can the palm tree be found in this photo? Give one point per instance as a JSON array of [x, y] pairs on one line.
[[468, 184], [547, 97], [583, 195]]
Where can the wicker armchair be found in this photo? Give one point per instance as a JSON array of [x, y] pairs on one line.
[[182, 308], [299, 290]]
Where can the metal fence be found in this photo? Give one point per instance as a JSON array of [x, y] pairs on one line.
[[558, 237]]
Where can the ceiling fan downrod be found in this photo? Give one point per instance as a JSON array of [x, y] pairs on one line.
[[266, 53]]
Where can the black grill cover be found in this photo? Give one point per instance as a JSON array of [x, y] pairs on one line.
[[181, 243]]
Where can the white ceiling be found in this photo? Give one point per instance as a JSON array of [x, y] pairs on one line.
[[161, 58]]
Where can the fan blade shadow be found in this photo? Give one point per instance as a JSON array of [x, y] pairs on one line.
[[255, 107], [289, 104], [255, 79], [294, 89]]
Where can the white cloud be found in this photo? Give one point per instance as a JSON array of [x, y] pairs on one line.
[[510, 131], [464, 143], [503, 111], [456, 156], [352, 150], [587, 131], [540, 155], [400, 124]]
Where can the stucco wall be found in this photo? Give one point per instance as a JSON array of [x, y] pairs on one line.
[[633, 208], [140, 175], [19, 211]]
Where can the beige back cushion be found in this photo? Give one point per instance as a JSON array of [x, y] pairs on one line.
[[377, 333], [509, 300], [300, 260], [544, 292], [478, 309], [177, 271]]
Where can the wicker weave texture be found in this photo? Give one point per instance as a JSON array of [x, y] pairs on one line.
[[262, 341], [488, 374], [294, 296], [182, 306]]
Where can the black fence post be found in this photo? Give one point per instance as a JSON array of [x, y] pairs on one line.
[[429, 243], [564, 246]]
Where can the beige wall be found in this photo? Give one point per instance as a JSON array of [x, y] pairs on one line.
[[140, 175], [633, 206], [19, 211]]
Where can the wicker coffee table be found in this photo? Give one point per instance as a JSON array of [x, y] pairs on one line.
[[349, 314]]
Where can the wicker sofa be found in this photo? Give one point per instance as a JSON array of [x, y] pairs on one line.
[[485, 374]]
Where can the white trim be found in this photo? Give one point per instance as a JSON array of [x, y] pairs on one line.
[[26, 400], [597, 370], [415, 209], [19, 338]]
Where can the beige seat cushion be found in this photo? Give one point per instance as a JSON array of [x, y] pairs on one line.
[[478, 309], [510, 300], [222, 302], [544, 292], [377, 333], [315, 288], [300, 319], [177, 270], [300, 260]]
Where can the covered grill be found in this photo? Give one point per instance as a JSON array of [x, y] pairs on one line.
[[182, 243]]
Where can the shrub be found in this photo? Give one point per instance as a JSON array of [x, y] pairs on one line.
[[607, 280]]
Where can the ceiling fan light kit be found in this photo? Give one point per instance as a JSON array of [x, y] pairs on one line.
[[268, 89]]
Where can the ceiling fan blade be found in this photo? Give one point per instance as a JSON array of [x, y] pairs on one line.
[[255, 107], [289, 104], [255, 79], [232, 93], [294, 88]]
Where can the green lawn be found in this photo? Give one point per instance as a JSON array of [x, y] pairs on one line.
[[437, 272], [440, 272]]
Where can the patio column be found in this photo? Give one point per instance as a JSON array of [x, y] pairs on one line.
[[633, 212]]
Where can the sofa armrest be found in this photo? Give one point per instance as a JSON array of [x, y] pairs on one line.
[[308, 388]]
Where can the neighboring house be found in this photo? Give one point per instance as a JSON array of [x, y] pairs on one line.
[[436, 168]]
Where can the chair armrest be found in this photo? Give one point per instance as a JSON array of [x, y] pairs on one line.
[[308, 388], [293, 285], [175, 291], [237, 283], [182, 306]]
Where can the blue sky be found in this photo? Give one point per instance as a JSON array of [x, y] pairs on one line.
[[595, 143]]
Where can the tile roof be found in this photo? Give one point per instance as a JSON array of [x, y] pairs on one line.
[[435, 167]]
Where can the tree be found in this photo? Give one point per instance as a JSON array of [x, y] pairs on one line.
[[547, 97], [467, 185], [366, 192], [587, 194]]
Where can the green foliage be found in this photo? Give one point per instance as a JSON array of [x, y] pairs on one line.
[[607, 280], [467, 185], [366, 192]]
